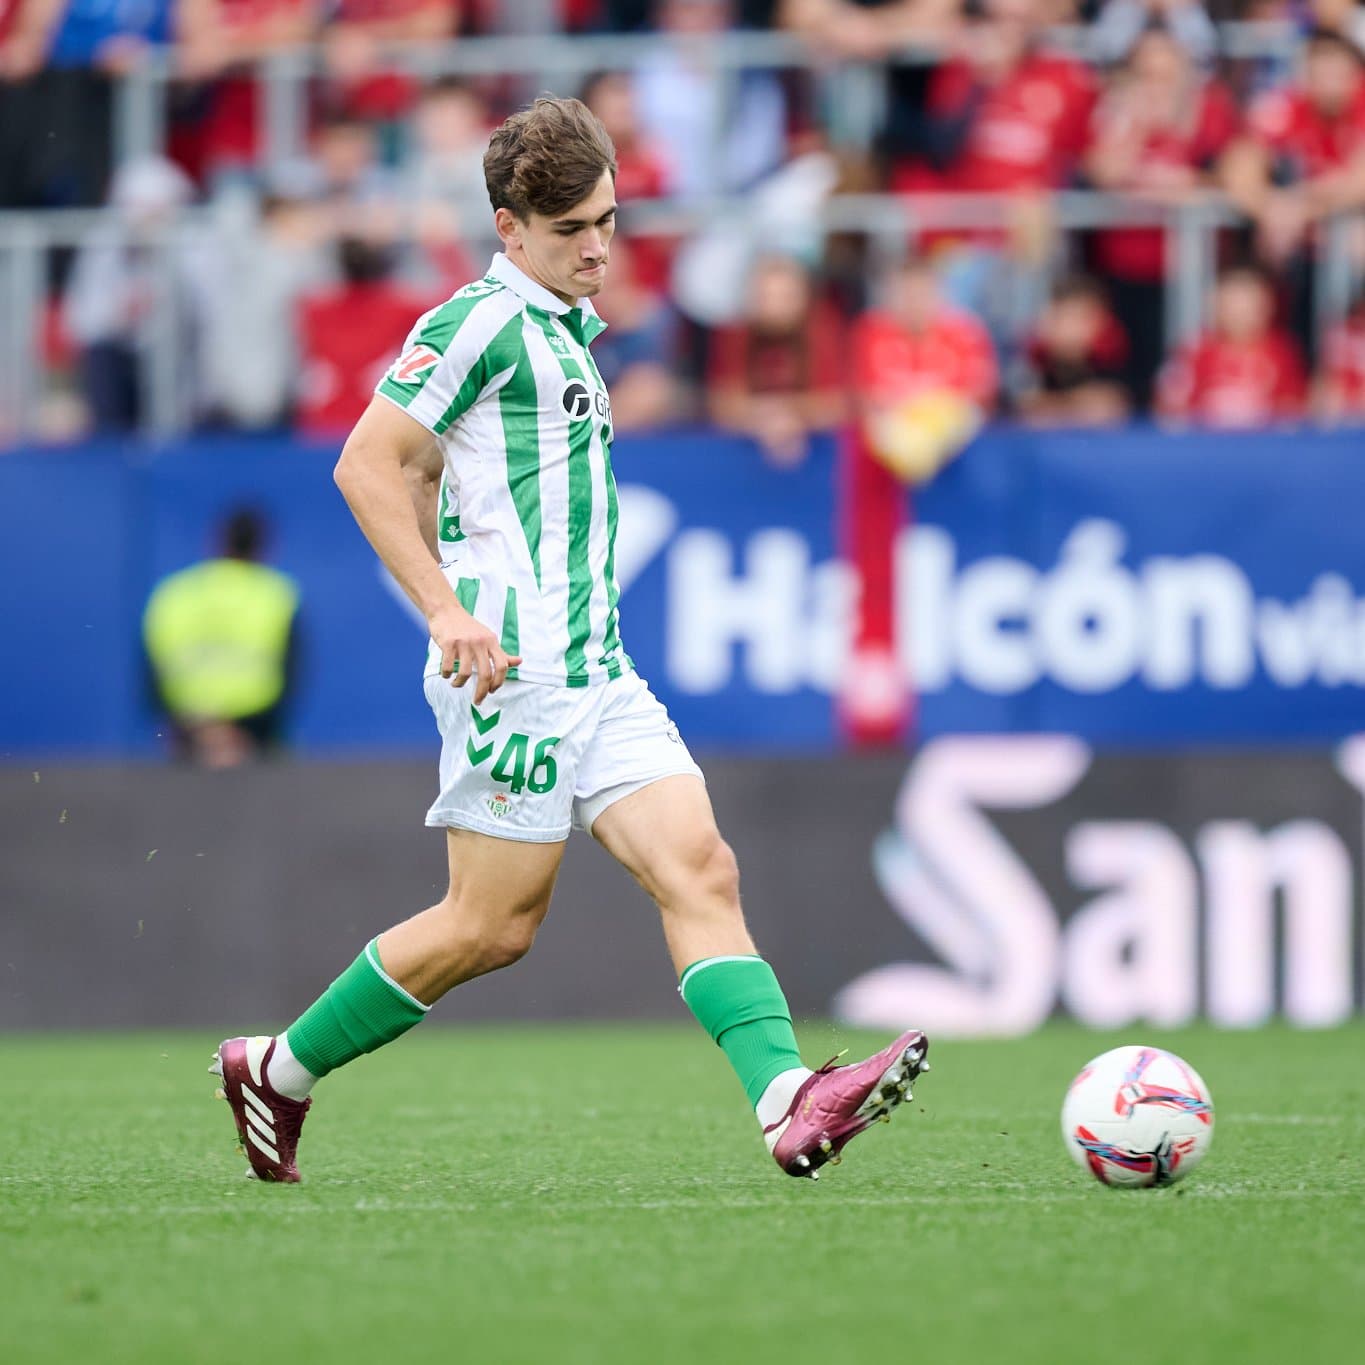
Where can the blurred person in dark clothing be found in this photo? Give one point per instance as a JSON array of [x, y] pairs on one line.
[[875, 31], [1074, 361], [1244, 371], [1156, 134], [347, 338], [221, 641], [58, 63], [777, 375], [130, 275], [637, 354]]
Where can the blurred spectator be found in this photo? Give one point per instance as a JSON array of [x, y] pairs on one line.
[[637, 354], [344, 168], [777, 374], [445, 197], [1244, 371], [714, 136], [128, 279], [641, 172], [1339, 394], [1008, 117], [359, 81], [348, 337], [221, 639], [1303, 159], [1345, 17], [1156, 134], [217, 41], [251, 357], [1075, 361], [1121, 24], [877, 31], [58, 61], [924, 374]]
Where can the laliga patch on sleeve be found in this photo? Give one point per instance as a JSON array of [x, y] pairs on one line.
[[412, 363]]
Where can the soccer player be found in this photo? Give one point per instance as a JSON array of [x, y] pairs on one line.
[[544, 721]]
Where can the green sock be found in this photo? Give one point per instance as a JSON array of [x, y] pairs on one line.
[[363, 1009], [738, 1002]]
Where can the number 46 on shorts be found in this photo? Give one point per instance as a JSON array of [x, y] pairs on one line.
[[518, 763]]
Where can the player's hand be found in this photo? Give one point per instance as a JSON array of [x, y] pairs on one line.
[[469, 650]]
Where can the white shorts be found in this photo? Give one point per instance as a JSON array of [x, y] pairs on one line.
[[535, 760]]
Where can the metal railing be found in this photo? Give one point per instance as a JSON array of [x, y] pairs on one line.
[[889, 222], [561, 64], [854, 93]]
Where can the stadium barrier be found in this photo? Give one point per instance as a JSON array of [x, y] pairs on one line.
[[1129, 588], [980, 888]]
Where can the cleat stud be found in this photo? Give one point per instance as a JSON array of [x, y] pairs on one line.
[[826, 1146], [815, 1175]]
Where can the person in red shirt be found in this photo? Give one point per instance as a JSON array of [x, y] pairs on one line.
[[216, 41], [1008, 116], [1303, 155], [1339, 394], [1303, 160], [1244, 371], [924, 373], [1156, 134], [360, 82], [348, 336], [777, 374]]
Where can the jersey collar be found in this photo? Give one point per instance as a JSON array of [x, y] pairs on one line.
[[519, 282]]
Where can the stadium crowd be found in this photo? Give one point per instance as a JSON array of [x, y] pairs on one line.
[[305, 275]]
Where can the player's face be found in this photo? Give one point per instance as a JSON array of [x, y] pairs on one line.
[[566, 253]]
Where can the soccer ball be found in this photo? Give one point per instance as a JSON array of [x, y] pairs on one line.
[[1137, 1116]]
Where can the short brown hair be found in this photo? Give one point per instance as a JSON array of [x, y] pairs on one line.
[[547, 158]]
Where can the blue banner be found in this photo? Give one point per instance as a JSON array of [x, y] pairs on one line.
[[1132, 587]]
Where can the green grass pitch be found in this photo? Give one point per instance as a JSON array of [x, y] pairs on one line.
[[569, 1194]]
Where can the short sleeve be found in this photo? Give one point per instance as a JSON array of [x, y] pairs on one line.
[[451, 356]]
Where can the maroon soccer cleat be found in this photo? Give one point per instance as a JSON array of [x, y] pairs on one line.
[[838, 1102], [268, 1123]]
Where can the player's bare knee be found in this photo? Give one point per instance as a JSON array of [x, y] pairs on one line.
[[705, 872], [510, 942]]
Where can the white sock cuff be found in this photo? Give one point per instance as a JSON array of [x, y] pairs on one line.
[[372, 956]]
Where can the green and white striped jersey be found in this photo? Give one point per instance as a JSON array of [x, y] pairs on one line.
[[500, 374]]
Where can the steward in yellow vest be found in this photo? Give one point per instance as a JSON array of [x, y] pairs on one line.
[[219, 639]]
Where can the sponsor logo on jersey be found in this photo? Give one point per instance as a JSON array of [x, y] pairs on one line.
[[412, 363], [576, 399]]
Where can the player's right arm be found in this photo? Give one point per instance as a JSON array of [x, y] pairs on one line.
[[373, 476]]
